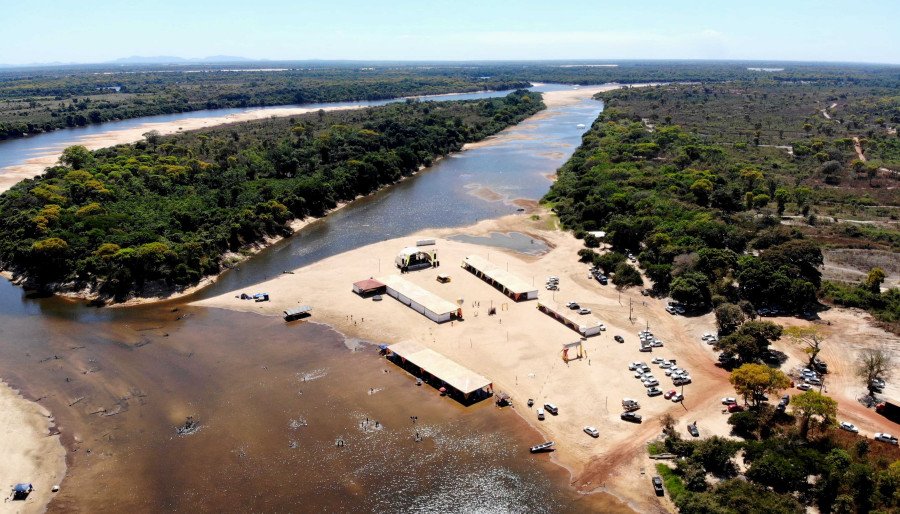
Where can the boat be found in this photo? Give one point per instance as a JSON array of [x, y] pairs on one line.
[[543, 447], [581, 125]]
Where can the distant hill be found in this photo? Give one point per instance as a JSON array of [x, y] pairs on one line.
[[167, 59]]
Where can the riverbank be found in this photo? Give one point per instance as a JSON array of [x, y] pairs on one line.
[[519, 348], [30, 454]]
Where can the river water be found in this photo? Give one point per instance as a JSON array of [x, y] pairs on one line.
[[274, 400]]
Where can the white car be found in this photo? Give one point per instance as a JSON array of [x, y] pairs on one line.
[[804, 386], [665, 364], [728, 400], [657, 360], [584, 310], [670, 309], [678, 398], [886, 438], [591, 431], [634, 365], [849, 427], [639, 374]]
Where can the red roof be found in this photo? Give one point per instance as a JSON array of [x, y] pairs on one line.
[[368, 284]]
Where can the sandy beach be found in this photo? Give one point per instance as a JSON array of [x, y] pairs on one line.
[[30, 453], [519, 349]]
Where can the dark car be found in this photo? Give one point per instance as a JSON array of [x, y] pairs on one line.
[[658, 486], [633, 417], [602, 279], [619, 339], [692, 429]]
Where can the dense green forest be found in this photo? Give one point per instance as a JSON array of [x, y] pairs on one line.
[[40, 102], [34, 100], [728, 193], [166, 209]]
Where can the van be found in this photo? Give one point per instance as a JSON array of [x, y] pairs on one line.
[[540, 414], [552, 409]]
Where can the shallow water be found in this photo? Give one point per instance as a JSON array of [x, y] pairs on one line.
[[272, 398], [515, 241]]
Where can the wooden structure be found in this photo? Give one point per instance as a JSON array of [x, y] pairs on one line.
[[586, 325], [302, 311], [368, 287], [508, 283], [447, 372]]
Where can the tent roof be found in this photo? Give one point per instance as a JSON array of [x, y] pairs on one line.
[[454, 374]]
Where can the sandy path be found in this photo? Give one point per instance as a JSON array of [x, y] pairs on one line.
[[28, 453], [858, 147]]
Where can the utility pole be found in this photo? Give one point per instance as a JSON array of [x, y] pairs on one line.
[[631, 312]]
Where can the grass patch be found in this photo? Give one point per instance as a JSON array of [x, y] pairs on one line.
[[673, 483], [656, 447]]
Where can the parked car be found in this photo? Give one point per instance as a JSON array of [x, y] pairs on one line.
[[646, 349], [540, 414], [728, 400], [630, 405], [591, 431], [670, 393], [665, 364], [619, 339], [584, 310], [678, 398], [653, 391], [670, 309], [552, 409], [657, 343], [886, 438], [658, 486], [682, 381], [635, 365], [692, 429], [633, 417], [849, 427], [735, 408], [552, 287], [651, 382], [602, 279], [804, 386], [573, 305], [814, 380]]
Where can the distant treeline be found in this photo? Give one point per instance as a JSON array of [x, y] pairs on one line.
[[42, 99], [166, 209]]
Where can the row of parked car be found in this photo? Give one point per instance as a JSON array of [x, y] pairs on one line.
[[598, 275], [648, 341], [679, 376]]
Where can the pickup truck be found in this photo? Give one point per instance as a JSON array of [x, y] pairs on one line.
[[889, 410]]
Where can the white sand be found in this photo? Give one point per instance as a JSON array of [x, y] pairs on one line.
[[27, 452], [519, 349]]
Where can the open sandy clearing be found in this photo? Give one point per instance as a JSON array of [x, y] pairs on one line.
[[519, 349], [29, 453]]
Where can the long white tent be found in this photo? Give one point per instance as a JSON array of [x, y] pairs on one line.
[[420, 300], [510, 284]]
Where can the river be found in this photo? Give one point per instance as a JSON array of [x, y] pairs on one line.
[[275, 401]]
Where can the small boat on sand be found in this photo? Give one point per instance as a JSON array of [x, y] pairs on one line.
[[543, 447]]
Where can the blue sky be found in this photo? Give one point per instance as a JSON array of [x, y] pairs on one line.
[[100, 30]]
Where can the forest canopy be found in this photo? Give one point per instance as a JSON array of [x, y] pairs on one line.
[[166, 209]]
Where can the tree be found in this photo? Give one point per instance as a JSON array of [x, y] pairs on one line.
[[874, 363], [76, 157], [874, 280], [782, 197], [667, 422], [728, 318], [812, 404], [751, 341], [627, 275], [692, 290], [810, 338], [752, 381], [702, 189]]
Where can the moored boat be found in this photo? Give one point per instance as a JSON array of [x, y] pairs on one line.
[[543, 447]]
